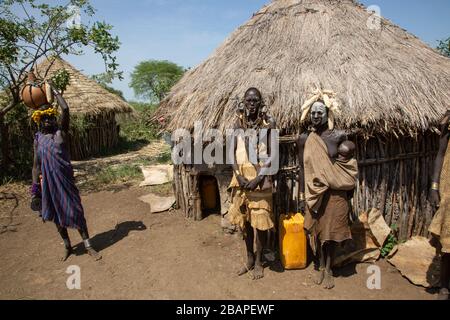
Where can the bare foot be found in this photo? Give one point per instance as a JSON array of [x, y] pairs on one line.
[[258, 272], [443, 294], [67, 252], [328, 280], [249, 266], [318, 277], [94, 254]]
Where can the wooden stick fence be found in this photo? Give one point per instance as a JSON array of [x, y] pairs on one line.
[[102, 133], [394, 176]]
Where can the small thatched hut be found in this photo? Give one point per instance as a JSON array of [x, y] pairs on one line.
[[392, 88], [94, 109]]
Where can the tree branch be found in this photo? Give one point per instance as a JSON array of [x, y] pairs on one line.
[[7, 79], [42, 40], [11, 105], [11, 75], [31, 63], [25, 10]]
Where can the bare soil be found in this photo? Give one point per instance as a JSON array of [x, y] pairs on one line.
[[158, 256]]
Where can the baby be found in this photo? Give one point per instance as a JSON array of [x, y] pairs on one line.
[[346, 151]]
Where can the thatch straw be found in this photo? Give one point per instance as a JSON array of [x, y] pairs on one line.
[[84, 95], [385, 79]]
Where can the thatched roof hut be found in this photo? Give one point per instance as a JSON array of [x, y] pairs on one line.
[[385, 79], [392, 88], [84, 95], [93, 106]]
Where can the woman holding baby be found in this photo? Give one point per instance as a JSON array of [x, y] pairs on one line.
[[328, 175]]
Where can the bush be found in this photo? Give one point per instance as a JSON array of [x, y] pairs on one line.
[[139, 127], [390, 242], [21, 132], [136, 130]]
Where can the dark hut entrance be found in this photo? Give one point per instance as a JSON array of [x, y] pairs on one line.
[[209, 195]]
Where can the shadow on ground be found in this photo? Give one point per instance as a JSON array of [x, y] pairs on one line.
[[107, 239]]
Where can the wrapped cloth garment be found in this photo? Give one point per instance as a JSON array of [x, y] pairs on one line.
[[254, 207], [248, 167], [61, 202], [322, 174], [440, 225], [250, 206], [326, 186], [330, 222]]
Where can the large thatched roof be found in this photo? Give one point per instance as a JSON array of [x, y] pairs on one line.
[[385, 79], [83, 95]]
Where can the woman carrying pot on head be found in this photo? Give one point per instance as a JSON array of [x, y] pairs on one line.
[[54, 192]]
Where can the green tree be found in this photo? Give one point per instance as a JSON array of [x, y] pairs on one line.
[[153, 79], [32, 30], [444, 47]]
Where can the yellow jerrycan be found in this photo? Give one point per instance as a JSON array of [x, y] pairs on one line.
[[293, 252]]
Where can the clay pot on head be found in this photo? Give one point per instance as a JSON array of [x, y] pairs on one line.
[[34, 95]]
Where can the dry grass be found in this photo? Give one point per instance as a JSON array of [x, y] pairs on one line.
[[386, 80], [123, 169]]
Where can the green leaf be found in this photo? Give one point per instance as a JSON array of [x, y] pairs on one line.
[[61, 79], [389, 244], [444, 47]]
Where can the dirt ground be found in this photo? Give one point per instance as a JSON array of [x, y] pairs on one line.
[[159, 256]]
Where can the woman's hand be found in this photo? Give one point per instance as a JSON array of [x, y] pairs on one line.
[[302, 206], [52, 86], [36, 203], [435, 198], [242, 181], [252, 185]]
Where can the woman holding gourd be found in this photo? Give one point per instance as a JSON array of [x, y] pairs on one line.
[[54, 192]]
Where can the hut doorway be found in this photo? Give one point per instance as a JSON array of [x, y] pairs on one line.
[[209, 195]]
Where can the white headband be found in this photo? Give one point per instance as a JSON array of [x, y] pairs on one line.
[[328, 97]]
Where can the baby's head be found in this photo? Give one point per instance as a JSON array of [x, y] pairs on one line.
[[346, 150]]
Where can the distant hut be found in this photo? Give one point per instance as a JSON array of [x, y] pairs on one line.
[[393, 89], [94, 110]]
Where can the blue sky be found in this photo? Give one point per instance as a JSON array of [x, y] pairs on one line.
[[187, 31]]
